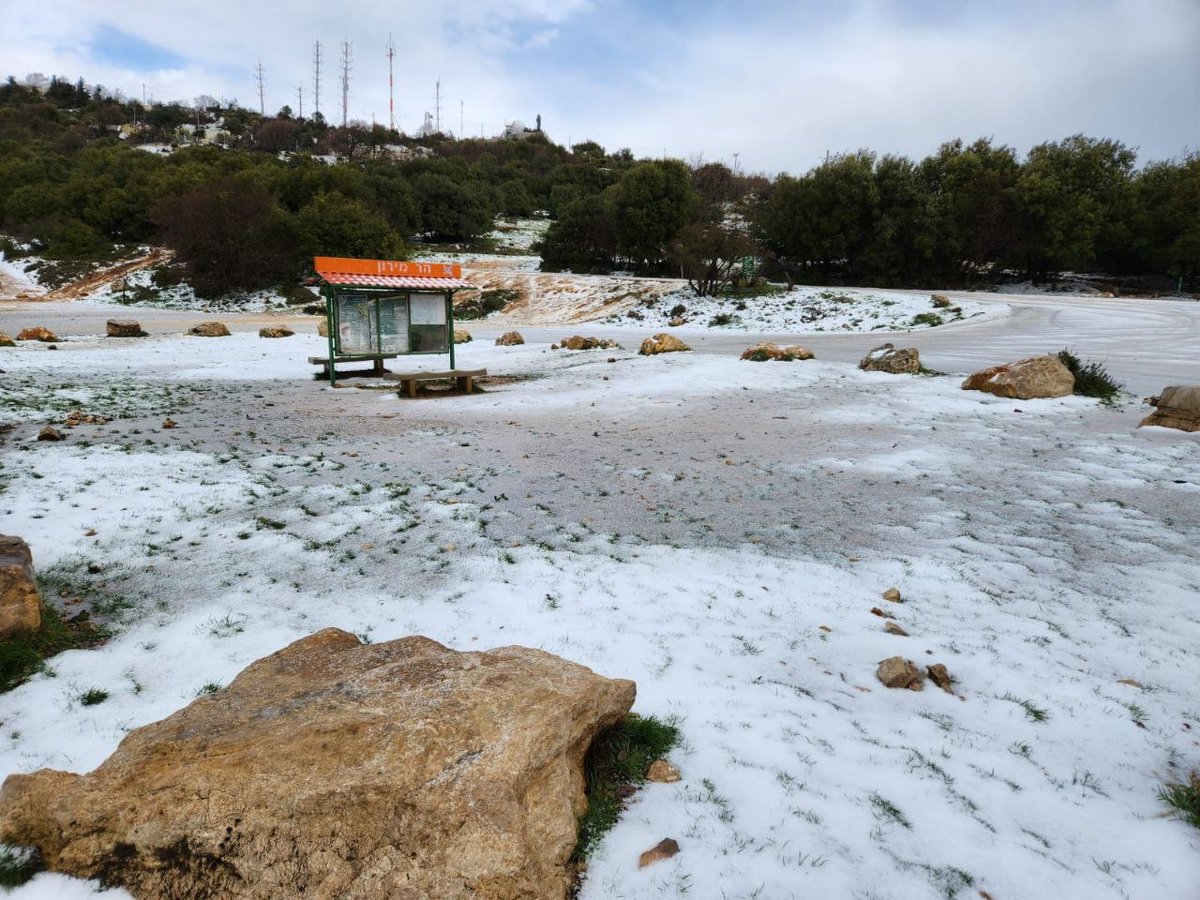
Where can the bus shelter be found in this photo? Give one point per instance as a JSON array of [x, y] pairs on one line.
[[379, 309]]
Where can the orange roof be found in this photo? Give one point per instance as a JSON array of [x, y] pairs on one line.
[[389, 273]]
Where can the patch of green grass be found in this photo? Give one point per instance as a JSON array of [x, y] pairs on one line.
[[23, 656], [93, 697], [927, 318], [723, 319], [885, 809], [1185, 797], [1091, 378], [484, 304], [617, 760], [18, 865], [1035, 712]]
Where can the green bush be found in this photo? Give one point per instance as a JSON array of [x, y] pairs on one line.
[[927, 318], [18, 865], [618, 759], [1091, 378], [484, 304], [1185, 797]]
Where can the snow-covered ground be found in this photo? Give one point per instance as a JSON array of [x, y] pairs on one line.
[[717, 530]]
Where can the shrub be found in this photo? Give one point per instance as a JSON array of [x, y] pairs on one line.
[[927, 318], [484, 304], [18, 865], [1091, 378], [723, 319], [618, 759]]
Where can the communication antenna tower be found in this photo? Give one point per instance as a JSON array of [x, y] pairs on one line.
[[391, 54], [347, 61], [299, 101], [262, 103], [316, 76], [437, 106]]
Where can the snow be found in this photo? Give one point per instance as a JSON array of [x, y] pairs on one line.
[[716, 530]]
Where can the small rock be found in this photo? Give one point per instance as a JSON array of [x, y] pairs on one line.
[[275, 331], [1132, 682], [124, 328], [510, 339], [876, 611], [892, 360], [892, 594], [664, 849], [50, 433], [323, 329], [6, 341], [676, 321], [1178, 406], [939, 676], [940, 301], [893, 628], [168, 423], [662, 772], [662, 343], [578, 342], [209, 329], [898, 672], [45, 335], [20, 602], [462, 336]]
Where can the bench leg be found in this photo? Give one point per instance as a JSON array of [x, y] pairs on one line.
[[378, 367], [412, 388]]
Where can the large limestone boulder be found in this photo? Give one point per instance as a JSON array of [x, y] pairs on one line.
[[20, 603], [6, 341], [891, 359], [1025, 379], [1178, 406], [332, 769], [45, 335], [275, 331], [579, 342], [124, 328], [510, 339], [764, 351], [662, 343], [462, 336], [209, 329]]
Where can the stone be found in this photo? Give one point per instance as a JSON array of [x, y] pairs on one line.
[[892, 360], [662, 343], [77, 417], [664, 849], [209, 329], [898, 672], [892, 595], [765, 351], [662, 772], [939, 676], [940, 301], [20, 602], [124, 328], [1025, 379], [462, 336], [1178, 406], [578, 342], [510, 339], [275, 331], [335, 768], [676, 321], [45, 335], [50, 433], [6, 341], [893, 628], [169, 423], [323, 328]]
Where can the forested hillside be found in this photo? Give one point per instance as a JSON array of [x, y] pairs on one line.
[[252, 208]]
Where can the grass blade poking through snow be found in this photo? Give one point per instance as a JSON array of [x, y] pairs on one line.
[[1185, 797]]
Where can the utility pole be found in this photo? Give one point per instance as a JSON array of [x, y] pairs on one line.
[[299, 101], [347, 60], [437, 106], [262, 103], [317, 76], [391, 54]]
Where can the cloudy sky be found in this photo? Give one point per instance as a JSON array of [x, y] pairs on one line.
[[780, 84]]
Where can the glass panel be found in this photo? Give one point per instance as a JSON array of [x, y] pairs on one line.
[[393, 324], [428, 309], [356, 324]]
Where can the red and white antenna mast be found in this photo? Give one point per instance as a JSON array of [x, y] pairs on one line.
[[391, 54]]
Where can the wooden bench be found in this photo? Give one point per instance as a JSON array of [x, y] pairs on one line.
[[376, 359], [463, 378]]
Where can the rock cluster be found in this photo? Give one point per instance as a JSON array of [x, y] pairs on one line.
[[1178, 406], [124, 328], [765, 351], [662, 343], [895, 361], [510, 339], [45, 335], [339, 769], [20, 602], [209, 329], [578, 342], [77, 417], [1025, 379], [275, 331]]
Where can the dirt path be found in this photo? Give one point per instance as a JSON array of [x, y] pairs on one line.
[[89, 284]]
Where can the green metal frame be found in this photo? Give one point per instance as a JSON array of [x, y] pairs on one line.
[[331, 291]]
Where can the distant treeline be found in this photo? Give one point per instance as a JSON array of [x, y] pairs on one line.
[[252, 211]]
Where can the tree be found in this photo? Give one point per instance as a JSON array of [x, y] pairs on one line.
[[334, 225], [230, 234], [649, 206], [708, 253], [451, 211], [581, 239]]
